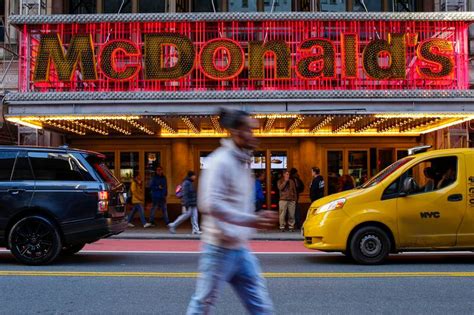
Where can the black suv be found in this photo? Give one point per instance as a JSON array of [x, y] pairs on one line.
[[55, 200]]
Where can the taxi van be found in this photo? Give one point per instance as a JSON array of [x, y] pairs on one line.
[[423, 202]]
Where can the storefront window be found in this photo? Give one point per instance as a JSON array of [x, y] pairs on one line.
[[306, 5], [182, 6], [110, 161], [203, 160], [278, 5], [207, 6], [404, 6], [146, 6], [333, 5], [335, 170], [367, 6], [118, 6], [358, 166], [129, 166], [242, 5], [82, 6]]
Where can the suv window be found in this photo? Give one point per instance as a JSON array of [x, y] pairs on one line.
[[98, 163], [22, 169], [7, 160], [57, 166]]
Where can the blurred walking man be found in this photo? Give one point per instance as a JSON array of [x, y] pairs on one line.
[[227, 200]]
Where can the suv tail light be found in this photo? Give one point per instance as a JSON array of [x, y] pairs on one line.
[[103, 204]]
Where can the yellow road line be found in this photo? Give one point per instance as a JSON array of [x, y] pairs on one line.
[[4, 273]]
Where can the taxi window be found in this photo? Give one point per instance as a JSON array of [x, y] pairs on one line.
[[429, 175], [386, 172]]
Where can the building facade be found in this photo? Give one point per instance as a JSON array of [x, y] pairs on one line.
[[347, 86]]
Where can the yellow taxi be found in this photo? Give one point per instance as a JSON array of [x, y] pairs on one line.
[[423, 202]]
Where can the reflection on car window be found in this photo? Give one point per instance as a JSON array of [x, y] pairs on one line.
[[57, 166], [386, 172]]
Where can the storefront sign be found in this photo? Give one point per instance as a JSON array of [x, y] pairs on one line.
[[250, 55]]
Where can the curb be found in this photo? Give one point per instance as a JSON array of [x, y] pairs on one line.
[[196, 237]]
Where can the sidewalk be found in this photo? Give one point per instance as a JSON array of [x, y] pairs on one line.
[[184, 233]]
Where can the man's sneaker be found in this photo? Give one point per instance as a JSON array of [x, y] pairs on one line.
[[130, 225], [197, 232], [282, 229], [147, 225], [172, 229]]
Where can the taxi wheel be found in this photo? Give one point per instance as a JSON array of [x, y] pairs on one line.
[[370, 245]]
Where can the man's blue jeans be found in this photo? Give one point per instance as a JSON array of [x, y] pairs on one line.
[[137, 207], [161, 203], [241, 269]]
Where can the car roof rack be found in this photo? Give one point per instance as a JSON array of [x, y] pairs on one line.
[[419, 149]]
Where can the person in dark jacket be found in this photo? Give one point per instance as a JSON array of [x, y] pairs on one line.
[[316, 189], [259, 196], [189, 203], [159, 191], [294, 176]]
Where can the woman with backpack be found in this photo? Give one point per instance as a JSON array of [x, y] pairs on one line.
[[187, 193]]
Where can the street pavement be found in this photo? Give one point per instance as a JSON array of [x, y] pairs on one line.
[[129, 276]]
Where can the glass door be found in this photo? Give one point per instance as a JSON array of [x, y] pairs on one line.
[[335, 170], [385, 158], [129, 166], [258, 166], [278, 164], [358, 168], [151, 162], [110, 161]]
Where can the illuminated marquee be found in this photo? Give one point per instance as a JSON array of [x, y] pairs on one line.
[[253, 55]]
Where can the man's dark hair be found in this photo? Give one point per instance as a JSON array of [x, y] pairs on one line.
[[191, 173], [316, 170], [293, 171], [231, 118]]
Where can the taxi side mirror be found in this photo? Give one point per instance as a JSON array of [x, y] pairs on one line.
[[408, 187]]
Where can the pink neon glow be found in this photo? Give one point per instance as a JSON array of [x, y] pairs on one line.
[[292, 32]]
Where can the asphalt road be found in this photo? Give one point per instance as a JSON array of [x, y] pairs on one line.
[[314, 283]]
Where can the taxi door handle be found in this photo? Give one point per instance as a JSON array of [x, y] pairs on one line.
[[455, 197]]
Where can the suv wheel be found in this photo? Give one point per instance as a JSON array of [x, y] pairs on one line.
[[72, 249], [34, 240], [369, 245]]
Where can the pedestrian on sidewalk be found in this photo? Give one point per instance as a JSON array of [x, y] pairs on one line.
[[227, 200], [287, 203], [189, 204], [159, 191], [294, 176], [259, 196], [316, 188], [138, 200]]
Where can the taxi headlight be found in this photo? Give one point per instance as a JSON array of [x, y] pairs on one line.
[[333, 205]]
